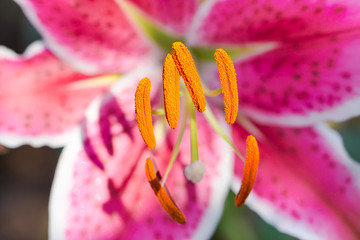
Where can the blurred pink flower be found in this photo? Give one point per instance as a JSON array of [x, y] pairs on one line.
[[307, 185]]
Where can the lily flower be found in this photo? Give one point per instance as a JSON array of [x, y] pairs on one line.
[[296, 68]]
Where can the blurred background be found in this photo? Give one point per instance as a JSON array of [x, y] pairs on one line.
[[26, 173]]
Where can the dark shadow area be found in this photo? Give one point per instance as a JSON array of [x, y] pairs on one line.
[[16, 31], [26, 176]]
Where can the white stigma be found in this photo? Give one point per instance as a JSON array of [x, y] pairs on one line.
[[195, 171]]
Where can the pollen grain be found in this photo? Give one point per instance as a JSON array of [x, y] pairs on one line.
[[228, 81], [186, 66], [250, 170], [165, 199], [171, 89], [143, 112]]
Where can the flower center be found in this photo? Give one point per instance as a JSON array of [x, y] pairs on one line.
[[181, 63]]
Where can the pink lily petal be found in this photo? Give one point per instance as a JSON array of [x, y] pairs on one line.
[[176, 15], [303, 83], [42, 98], [236, 22], [306, 185], [102, 194], [93, 36]]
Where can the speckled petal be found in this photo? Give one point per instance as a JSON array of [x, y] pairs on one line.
[[301, 83], [236, 22], [41, 98], [175, 15], [93, 36], [307, 185], [105, 195]]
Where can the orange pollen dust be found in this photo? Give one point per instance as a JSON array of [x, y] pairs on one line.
[[165, 199], [171, 89], [228, 81], [250, 170], [143, 112], [186, 66]]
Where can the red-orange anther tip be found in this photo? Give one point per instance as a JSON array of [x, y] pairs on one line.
[[165, 199], [143, 112], [228, 82], [250, 170], [171, 89], [186, 67]]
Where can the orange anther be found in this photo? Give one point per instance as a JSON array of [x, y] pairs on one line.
[[228, 84], [165, 199], [143, 112], [171, 89], [186, 66], [250, 170]]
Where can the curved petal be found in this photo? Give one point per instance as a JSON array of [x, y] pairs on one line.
[[236, 22], [93, 36], [306, 185], [42, 98], [105, 194], [303, 83], [176, 15]]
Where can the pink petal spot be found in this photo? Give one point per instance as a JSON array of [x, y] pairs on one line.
[[294, 86], [236, 22], [94, 36]]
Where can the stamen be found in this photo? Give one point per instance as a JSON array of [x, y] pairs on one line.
[[171, 89], [159, 112], [143, 112], [250, 170], [176, 147], [193, 134], [212, 93], [165, 199], [208, 114], [228, 83], [195, 171], [186, 66]]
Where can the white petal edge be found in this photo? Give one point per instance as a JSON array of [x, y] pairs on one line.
[[63, 180], [193, 33], [14, 141], [348, 109], [33, 49], [280, 221]]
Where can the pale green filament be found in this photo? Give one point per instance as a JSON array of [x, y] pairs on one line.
[[193, 132], [216, 126], [160, 112], [176, 147], [212, 93]]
